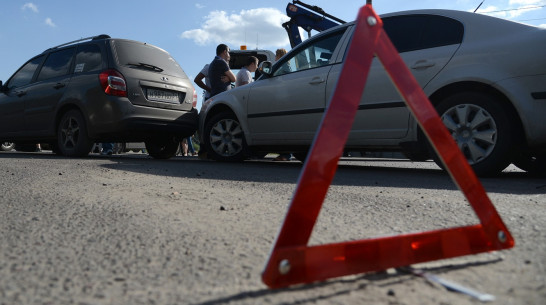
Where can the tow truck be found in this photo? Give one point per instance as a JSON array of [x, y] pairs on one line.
[[302, 15], [308, 17]]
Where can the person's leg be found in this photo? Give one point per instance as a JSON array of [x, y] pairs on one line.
[[190, 146], [107, 148], [185, 147]]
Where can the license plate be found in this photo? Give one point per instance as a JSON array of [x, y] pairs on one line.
[[163, 96]]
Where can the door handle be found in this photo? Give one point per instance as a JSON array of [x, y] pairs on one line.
[[422, 64], [316, 81], [59, 85], [21, 93]]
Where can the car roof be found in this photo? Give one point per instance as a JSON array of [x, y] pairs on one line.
[[78, 41], [96, 38], [481, 25], [455, 14]]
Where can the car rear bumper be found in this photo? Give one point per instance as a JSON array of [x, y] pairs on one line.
[[138, 123]]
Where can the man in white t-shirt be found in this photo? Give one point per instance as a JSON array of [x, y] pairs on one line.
[[244, 76], [203, 85]]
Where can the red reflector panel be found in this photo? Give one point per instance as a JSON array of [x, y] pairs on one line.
[[194, 103]]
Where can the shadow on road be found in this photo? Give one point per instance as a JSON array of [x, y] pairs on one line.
[[342, 286], [351, 172]]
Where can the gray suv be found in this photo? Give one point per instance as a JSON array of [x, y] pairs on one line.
[[99, 89]]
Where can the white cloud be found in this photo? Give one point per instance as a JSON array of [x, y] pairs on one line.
[[516, 9], [30, 6], [527, 2], [50, 23], [259, 27], [199, 5]]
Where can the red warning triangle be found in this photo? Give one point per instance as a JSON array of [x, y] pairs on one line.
[[292, 261]]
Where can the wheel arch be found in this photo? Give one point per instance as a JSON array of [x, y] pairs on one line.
[[219, 108], [458, 87], [64, 109]]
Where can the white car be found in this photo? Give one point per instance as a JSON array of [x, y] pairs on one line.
[[485, 76]]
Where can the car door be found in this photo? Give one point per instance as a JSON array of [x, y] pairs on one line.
[[287, 107], [13, 97], [425, 43], [44, 95]]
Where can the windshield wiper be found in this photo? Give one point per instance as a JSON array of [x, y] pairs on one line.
[[147, 66]]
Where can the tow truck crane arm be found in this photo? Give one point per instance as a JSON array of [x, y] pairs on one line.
[[307, 17]]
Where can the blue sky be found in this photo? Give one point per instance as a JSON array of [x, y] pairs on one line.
[[190, 30]]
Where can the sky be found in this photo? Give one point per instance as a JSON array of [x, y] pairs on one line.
[[191, 30]]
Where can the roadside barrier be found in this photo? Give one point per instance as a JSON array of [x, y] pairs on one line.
[[292, 261]]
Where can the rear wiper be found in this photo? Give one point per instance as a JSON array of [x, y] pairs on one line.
[[147, 66]]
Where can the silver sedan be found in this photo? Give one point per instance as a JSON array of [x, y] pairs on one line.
[[485, 76]]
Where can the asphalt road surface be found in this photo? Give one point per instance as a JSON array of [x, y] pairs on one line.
[[128, 229]]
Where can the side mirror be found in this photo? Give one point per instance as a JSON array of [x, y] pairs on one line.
[[266, 68], [2, 89]]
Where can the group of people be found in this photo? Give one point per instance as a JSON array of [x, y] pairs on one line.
[[218, 77]]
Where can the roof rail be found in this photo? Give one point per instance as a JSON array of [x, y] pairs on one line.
[[102, 36]]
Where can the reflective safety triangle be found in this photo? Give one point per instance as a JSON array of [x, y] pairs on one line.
[[292, 261]]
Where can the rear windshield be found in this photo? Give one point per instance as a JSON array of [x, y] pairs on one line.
[[143, 56]]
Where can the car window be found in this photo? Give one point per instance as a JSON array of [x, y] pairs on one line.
[[88, 58], [132, 54], [404, 31], [56, 64], [415, 32], [315, 54], [24, 75], [441, 31]]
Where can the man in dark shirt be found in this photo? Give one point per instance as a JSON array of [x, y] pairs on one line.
[[220, 77], [218, 68]]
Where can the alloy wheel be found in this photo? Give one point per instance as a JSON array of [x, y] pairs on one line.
[[70, 132], [226, 137], [474, 130]]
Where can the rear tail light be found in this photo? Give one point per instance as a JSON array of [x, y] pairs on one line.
[[113, 83], [194, 103]]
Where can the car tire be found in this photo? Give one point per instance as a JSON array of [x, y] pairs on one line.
[[534, 164], [72, 138], [7, 146], [482, 128], [55, 148], [224, 138], [163, 149]]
